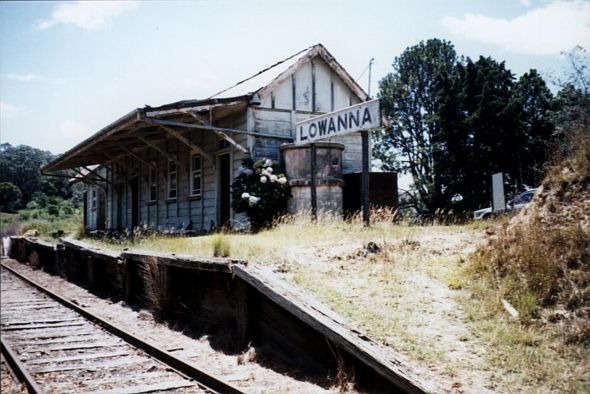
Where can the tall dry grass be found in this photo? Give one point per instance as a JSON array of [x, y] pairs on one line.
[[540, 261]]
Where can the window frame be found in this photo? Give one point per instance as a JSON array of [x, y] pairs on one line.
[[152, 184], [172, 177], [93, 199], [200, 172]]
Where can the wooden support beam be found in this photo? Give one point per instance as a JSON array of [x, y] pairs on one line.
[[212, 128], [86, 179], [365, 178], [222, 135], [200, 118], [137, 157], [90, 272], [96, 174], [118, 161], [245, 315], [110, 167], [158, 149], [188, 143]]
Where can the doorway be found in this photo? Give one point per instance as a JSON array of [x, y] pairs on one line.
[[134, 184], [119, 203], [85, 208], [224, 197]]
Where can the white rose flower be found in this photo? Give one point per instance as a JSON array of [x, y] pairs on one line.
[[245, 195], [263, 179], [273, 178], [253, 200], [268, 163], [264, 172], [282, 180], [269, 170]]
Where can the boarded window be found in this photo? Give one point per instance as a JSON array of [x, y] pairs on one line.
[[153, 184], [172, 181], [196, 175], [93, 203]]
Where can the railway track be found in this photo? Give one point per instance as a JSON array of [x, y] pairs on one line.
[[56, 346]]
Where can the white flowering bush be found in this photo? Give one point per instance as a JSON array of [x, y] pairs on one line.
[[261, 191]]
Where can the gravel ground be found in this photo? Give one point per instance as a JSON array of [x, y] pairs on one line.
[[240, 370], [8, 384]]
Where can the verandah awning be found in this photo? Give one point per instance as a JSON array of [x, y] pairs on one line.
[[146, 127]]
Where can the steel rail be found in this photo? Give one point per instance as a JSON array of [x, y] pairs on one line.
[[19, 369], [181, 366]]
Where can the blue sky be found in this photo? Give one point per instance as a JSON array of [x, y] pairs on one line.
[[69, 69]]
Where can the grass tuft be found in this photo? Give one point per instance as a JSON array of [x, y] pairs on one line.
[[221, 245]]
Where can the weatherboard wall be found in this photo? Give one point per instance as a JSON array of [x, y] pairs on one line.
[[95, 203], [312, 90], [165, 214]]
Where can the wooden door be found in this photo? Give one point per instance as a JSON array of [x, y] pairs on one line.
[[134, 184], [224, 198]]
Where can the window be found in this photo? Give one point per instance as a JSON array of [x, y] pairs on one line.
[[171, 179], [153, 183], [196, 175], [93, 201]]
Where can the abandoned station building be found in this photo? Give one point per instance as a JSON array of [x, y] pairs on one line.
[[171, 167]]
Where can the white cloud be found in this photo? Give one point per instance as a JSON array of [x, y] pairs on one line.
[[555, 27], [526, 3], [74, 130], [86, 14], [34, 77], [8, 110]]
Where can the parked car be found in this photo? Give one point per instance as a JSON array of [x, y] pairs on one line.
[[520, 201]]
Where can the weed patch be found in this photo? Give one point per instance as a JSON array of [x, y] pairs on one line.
[[221, 246]]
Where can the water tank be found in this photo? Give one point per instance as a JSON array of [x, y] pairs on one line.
[[329, 183]]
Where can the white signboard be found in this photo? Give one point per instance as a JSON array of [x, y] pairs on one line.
[[498, 200], [363, 116]]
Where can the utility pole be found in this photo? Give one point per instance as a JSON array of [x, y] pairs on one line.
[[366, 164], [370, 66]]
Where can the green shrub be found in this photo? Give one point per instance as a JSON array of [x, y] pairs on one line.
[[40, 198], [32, 205], [24, 215], [53, 210]]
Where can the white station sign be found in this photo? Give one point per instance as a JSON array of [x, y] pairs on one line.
[[363, 116]]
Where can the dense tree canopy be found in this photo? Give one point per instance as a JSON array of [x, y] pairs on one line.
[[19, 166], [10, 197], [453, 122]]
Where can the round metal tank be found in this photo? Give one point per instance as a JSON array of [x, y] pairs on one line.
[[329, 181]]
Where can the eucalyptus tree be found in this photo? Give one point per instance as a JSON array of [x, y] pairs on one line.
[[411, 100]]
